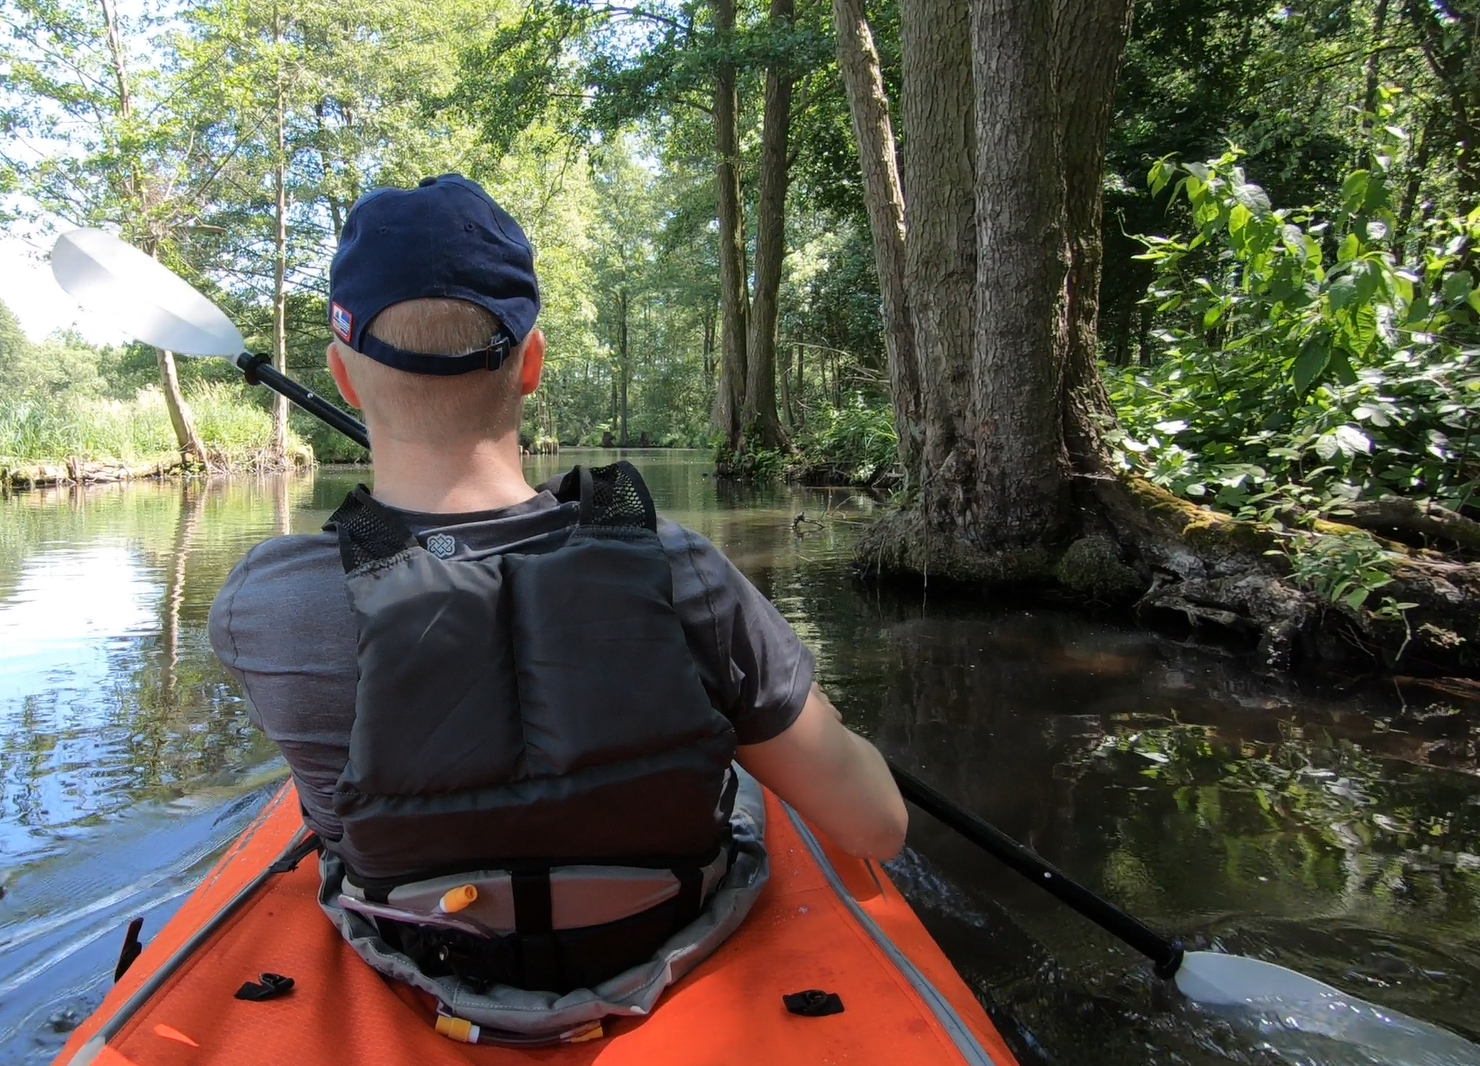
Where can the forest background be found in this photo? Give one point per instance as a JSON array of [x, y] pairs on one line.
[[1265, 303]]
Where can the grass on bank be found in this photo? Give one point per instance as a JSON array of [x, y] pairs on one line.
[[137, 431]]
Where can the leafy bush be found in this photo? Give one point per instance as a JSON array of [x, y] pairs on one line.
[[857, 440], [1306, 360]]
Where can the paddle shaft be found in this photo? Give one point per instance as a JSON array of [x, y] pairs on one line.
[[1166, 954], [259, 371]]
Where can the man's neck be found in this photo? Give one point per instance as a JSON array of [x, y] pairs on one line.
[[476, 476]]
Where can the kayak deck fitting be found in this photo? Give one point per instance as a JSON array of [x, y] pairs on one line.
[[825, 921]]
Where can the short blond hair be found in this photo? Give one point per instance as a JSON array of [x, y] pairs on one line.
[[427, 407]]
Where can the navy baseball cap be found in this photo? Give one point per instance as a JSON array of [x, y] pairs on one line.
[[444, 238]]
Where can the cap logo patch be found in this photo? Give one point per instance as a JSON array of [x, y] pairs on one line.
[[341, 322]]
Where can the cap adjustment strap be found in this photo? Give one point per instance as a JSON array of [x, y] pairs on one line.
[[489, 358]]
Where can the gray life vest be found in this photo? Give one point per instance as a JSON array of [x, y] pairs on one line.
[[531, 742]]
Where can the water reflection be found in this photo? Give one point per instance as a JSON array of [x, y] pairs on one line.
[[1333, 831]]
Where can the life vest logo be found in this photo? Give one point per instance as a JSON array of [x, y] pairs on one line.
[[341, 322], [441, 545]]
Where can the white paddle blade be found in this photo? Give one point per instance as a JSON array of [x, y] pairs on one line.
[[1289, 1008], [139, 295]]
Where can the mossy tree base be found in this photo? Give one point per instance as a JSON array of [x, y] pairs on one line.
[[1205, 577]]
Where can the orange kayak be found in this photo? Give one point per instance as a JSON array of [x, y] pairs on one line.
[[824, 921]]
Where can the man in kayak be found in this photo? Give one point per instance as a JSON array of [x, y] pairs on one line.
[[635, 684]]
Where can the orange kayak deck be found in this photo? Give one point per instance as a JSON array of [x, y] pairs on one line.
[[903, 1001]]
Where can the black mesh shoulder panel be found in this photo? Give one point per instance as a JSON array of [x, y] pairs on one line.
[[367, 531], [620, 498]]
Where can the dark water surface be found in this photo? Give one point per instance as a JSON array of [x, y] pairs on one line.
[[1335, 831]]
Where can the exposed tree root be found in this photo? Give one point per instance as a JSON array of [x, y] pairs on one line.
[[1395, 515], [1204, 576]]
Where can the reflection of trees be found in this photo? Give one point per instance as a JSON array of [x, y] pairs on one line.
[[191, 498], [168, 718]]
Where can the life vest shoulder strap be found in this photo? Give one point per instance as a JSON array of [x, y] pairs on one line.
[[611, 497], [368, 530]]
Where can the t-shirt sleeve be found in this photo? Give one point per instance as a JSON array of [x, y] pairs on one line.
[[281, 625], [755, 668]]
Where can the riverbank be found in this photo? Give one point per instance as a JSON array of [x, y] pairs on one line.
[[77, 440]]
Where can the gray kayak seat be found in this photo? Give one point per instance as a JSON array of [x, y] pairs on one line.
[[531, 734], [517, 1015]]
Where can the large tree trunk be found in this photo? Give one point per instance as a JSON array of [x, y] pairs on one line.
[[940, 251], [1021, 265], [733, 286], [278, 447], [770, 247], [1088, 66], [624, 364], [858, 60]]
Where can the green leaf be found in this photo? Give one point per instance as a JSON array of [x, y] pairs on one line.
[[1342, 291], [1376, 230], [1458, 286], [1309, 367], [1252, 197], [1349, 249], [1357, 598], [1238, 219], [1354, 190]]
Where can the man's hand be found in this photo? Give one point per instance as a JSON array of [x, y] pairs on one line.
[[834, 778]]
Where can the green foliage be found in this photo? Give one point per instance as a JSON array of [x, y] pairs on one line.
[[751, 461], [1342, 569], [1306, 359], [136, 430], [858, 441]]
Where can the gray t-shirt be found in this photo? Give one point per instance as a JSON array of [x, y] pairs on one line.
[[282, 626]]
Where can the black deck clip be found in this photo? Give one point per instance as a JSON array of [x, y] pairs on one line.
[[813, 1003], [272, 985], [130, 950]]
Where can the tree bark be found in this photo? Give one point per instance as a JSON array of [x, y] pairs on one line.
[[783, 379], [940, 249], [180, 417], [868, 104], [1093, 35], [1021, 267], [770, 246], [733, 285], [624, 365], [278, 447]]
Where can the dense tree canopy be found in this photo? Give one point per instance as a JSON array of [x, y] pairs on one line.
[[692, 175]]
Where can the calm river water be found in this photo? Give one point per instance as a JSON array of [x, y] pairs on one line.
[[1333, 830]]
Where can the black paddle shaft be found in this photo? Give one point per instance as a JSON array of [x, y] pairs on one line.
[[1165, 954], [259, 371]]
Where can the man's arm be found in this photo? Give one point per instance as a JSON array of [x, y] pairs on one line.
[[834, 778]]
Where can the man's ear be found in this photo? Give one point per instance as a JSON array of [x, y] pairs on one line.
[[533, 364], [341, 375]]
